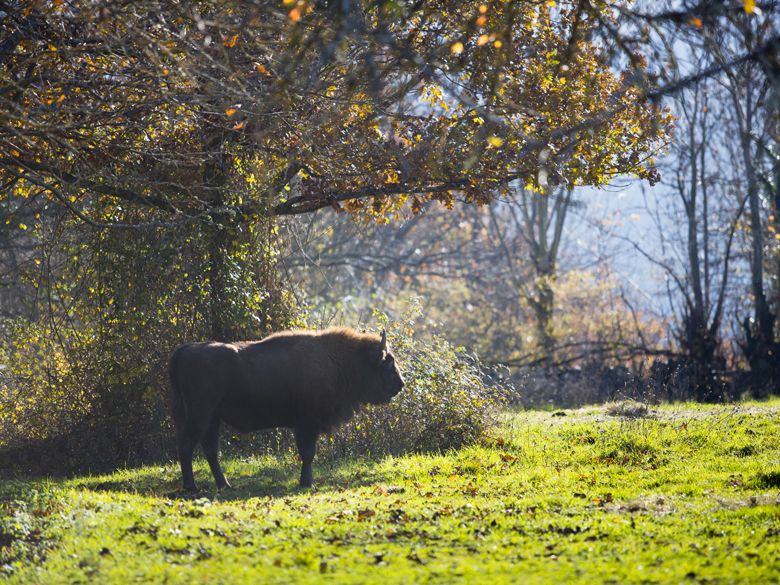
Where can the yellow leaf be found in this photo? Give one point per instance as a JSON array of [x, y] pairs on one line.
[[239, 125], [498, 44], [750, 6], [481, 21], [23, 226], [483, 8], [482, 40], [696, 22], [456, 48], [261, 69], [230, 41], [230, 112], [495, 141], [295, 14]]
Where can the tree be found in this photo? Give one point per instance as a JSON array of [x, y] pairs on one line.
[[206, 116], [751, 92], [755, 112], [540, 219], [699, 230]]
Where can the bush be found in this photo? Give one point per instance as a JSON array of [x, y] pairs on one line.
[[83, 379], [449, 400], [572, 387], [627, 409]]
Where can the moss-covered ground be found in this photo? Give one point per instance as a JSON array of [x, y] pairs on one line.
[[688, 494]]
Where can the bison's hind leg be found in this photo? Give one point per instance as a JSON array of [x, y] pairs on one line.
[[210, 444], [185, 444], [188, 435], [306, 439]]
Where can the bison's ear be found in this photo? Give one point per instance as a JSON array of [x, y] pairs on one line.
[[379, 352]]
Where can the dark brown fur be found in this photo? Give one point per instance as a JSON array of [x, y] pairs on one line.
[[310, 381]]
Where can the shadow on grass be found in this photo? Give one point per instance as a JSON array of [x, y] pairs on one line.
[[249, 478]]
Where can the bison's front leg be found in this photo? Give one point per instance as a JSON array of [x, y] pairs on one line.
[[306, 438]]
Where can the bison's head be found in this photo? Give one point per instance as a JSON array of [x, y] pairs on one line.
[[386, 380]]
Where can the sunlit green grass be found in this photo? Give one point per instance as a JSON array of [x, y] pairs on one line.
[[689, 495]]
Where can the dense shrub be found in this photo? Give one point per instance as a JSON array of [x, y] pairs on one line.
[[449, 400], [571, 387], [673, 380], [83, 378]]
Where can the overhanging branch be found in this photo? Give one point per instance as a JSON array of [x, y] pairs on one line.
[[72, 180]]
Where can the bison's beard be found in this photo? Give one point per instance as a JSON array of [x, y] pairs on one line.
[[384, 396]]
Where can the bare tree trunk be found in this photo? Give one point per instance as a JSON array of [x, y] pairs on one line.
[[760, 343], [543, 219], [544, 306]]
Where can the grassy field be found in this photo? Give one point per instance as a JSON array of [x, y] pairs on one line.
[[688, 494]]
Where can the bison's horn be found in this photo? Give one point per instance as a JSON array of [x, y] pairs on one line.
[[383, 345]]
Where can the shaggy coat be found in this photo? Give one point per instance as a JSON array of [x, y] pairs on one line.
[[309, 381]]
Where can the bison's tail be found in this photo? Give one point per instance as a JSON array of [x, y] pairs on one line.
[[175, 398]]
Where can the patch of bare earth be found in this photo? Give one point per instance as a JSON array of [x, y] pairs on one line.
[[654, 504]]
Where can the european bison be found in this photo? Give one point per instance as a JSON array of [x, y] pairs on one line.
[[305, 380]]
